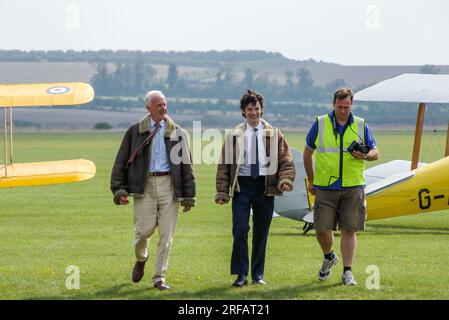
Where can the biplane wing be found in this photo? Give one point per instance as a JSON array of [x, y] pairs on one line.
[[388, 169], [45, 94], [44, 173], [41, 173]]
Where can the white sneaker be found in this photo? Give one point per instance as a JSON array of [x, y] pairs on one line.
[[348, 278], [325, 270]]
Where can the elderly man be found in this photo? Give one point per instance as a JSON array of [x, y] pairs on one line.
[[153, 164], [338, 180], [256, 164]]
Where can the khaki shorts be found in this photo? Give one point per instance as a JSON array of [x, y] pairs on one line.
[[345, 208]]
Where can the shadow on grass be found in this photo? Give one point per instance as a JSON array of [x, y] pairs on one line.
[[254, 292], [289, 234], [387, 229], [376, 229], [300, 233], [224, 292]]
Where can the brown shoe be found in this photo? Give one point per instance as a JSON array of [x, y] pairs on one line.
[[161, 285], [138, 271]]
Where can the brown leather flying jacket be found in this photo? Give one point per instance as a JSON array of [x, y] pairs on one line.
[[131, 179], [281, 166]]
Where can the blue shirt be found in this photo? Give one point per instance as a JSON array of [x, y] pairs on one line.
[[313, 133], [159, 160]]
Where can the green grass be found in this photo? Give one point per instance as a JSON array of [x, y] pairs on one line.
[[45, 229]]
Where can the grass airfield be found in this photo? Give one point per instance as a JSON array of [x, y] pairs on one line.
[[46, 229]]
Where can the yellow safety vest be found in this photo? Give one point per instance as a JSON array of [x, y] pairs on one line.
[[333, 161]]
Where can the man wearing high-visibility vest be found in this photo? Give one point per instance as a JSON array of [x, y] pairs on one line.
[[338, 181]]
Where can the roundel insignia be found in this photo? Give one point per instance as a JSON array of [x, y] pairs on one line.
[[57, 90]]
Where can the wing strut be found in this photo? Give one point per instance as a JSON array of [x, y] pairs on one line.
[[10, 136], [446, 153], [418, 134], [5, 131], [8, 142]]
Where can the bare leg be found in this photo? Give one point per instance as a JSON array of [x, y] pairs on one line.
[[348, 246], [325, 239]]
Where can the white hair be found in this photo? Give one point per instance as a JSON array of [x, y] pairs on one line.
[[152, 93]]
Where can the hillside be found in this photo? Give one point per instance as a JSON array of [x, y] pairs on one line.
[[25, 72], [40, 66], [207, 86]]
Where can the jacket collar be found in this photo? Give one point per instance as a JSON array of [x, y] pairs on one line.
[[268, 130], [144, 125]]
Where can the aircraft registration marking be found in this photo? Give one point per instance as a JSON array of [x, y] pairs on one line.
[[425, 197]]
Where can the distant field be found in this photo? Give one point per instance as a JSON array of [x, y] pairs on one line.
[[46, 229], [53, 119], [322, 73], [35, 72]]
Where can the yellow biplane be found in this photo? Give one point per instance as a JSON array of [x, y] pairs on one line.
[[41, 173], [398, 187]]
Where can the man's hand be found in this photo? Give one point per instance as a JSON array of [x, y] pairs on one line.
[[221, 201], [286, 187], [123, 200], [358, 155], [310, 187], [308, 166], [372, 155], [186, 208]]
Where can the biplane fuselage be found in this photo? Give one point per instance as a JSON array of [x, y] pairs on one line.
[[426, 190]]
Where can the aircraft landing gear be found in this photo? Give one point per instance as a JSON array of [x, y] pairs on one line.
[[307, 227]]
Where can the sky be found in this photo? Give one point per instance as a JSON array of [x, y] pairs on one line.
[[349, 32]]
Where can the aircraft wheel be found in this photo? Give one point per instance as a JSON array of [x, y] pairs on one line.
[[307, 227]]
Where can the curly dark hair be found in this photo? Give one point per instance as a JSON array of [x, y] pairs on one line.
[[250, 98]]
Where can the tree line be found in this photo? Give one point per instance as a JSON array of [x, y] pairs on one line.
[[122, 77], [295, 103], [134, 78], [211, 58]]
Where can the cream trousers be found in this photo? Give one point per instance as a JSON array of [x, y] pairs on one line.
[[156, 208]]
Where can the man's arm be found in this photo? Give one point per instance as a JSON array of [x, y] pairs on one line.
[[372, 155], [118, 176], [188, 177], [308, 166], [222, 179], [287, 170]]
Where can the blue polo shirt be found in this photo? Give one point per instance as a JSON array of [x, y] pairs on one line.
[[313, 133]]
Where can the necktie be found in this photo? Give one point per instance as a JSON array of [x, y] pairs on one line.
[[156, 127], [138, 151], [254, 151]]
